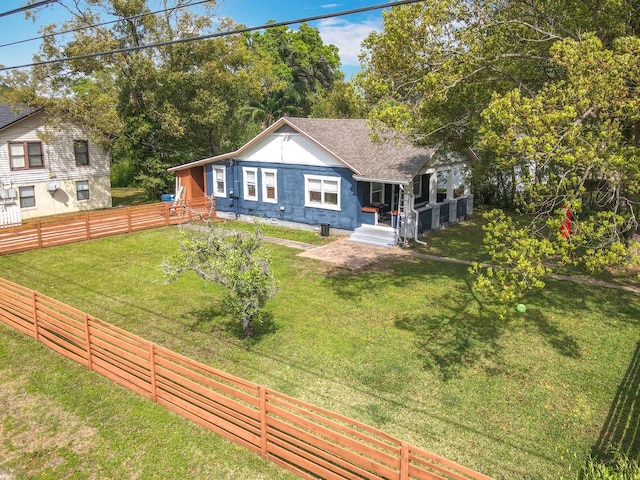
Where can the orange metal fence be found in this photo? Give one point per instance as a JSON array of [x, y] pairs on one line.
[[58, 230], [308, 440]]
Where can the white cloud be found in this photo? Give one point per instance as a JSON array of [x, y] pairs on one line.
[[347, 36]]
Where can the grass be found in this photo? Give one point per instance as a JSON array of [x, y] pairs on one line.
[[128, 196], [405, 346]]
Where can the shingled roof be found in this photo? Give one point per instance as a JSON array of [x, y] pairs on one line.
[[391, 160], [10, 114]]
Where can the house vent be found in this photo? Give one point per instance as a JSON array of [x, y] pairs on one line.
[[286, 129]]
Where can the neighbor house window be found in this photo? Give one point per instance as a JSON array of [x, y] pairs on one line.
[[250, 183], [219, 181], [269, 185], [377, 192], [417, 186], [27, 197], [25, 155], [81, 152], [322, 192], [82, 190]]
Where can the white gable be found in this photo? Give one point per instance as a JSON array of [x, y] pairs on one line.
[[289, 148]]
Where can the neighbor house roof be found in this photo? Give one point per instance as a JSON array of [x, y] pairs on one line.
[[350, 141], [10, 114]]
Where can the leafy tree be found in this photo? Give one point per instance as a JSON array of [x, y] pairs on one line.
[[551, 108], [231, 259], [342, 101], [157, 107], [303, 68]]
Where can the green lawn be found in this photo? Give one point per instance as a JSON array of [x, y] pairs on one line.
[[405, 346]]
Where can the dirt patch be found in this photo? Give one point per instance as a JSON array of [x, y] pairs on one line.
[[32, 425], [346, 253]]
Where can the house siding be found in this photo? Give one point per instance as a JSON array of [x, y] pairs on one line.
[[59, 166], [290, 206]]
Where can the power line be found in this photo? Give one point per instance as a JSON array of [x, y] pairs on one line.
[[79, 29], [218, 34], [27, 7]]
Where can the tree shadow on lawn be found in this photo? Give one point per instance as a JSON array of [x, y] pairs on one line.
[[468, 335], [621, 430], [215, 319]]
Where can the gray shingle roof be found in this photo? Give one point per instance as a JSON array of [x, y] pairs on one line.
[[391, 159], [10, 114]]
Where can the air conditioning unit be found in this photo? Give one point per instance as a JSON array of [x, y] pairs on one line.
[[13, 193], [4, 194]]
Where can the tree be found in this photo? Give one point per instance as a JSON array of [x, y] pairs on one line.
[[231, 259], [164, 106], [303, 68], [552, 110]]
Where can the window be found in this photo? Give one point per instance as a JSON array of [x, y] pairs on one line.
[[27, 197], [81, 152], [82, 190], [219, 181], [25, 155], [417, 186], [269, 185], [377, 192], [322, 192], [250, 183]]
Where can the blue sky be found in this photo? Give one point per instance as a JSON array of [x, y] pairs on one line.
[[346, 32]]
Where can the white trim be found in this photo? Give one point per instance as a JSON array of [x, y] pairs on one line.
[[265, 185], [215, 171], [325, 188], [245, 183], [382, 191]]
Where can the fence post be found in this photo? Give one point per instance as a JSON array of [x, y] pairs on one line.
[[166, 213], [129, 219], [39, 231], [152, 371], [34, 303], [263, 420], [87, 333], [404, 461]]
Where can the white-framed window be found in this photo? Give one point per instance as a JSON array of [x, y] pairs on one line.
[[417, 186], [322, 192], [220, 181], [82, 190], [377, 192], [27, 197], [250, 176], [269, 185]]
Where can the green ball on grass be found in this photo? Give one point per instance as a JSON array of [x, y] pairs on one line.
[[521, 308]]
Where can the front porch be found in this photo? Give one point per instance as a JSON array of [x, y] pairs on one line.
[[395, 213]]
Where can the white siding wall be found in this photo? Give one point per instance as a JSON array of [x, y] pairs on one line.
[[59, 166], [290, 148]]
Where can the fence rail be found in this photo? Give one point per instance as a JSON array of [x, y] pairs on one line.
[[308, 440], [62, 229]]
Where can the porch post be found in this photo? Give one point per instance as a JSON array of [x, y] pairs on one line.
[[433, 188], [450, 184]]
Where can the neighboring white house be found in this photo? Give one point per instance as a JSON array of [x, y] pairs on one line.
[[46, 171]]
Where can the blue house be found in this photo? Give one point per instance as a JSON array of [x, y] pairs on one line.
[[333, 173]]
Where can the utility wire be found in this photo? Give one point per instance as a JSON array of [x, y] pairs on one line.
[[218, 34], [27, 7], [73, 30]]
